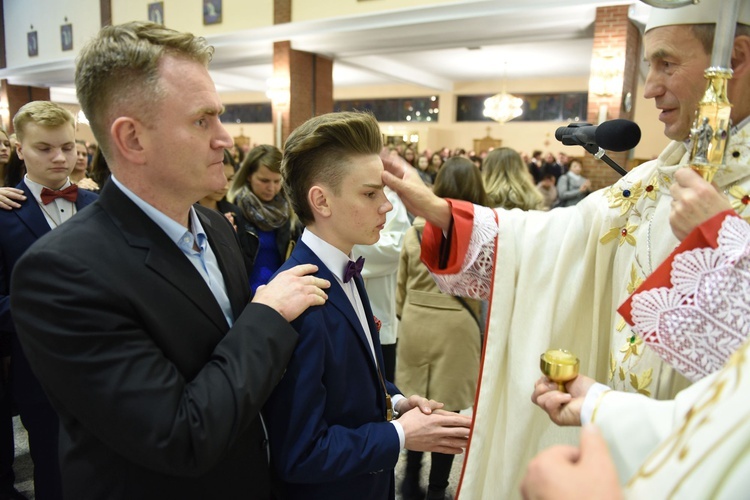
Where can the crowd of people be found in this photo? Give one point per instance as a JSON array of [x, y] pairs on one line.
[[191, 320], [557, 180], [267, 227]]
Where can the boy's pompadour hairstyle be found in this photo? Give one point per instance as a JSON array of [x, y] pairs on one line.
[[318, 151]]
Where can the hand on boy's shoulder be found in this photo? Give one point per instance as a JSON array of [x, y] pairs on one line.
[[292, 291], [11, 198]]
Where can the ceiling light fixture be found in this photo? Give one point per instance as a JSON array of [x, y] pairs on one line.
[[503, 107]]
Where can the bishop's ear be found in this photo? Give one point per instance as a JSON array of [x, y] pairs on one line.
[[741, 55]]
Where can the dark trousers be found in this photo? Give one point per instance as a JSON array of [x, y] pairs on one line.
[[440, 468], [41, 423], [389, 362], [7, 443]]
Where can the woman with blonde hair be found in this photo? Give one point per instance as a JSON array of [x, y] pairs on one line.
[[271, 225], [508, 182]]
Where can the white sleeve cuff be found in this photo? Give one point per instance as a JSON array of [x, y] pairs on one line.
[[394, 402], [589, 403], [400, 432]]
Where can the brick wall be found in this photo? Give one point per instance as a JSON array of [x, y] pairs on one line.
[[614, 36]]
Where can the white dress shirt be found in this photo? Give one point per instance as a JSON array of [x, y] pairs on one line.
[[56, 212]]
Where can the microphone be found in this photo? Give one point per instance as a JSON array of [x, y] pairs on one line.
[[614, 135]]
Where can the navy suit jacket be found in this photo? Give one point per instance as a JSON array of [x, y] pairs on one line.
[[19, 229], [327, 417]]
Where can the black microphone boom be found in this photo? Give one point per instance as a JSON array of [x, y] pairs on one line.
[[614, 135]]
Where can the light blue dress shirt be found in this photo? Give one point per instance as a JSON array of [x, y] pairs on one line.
[[203, 259]]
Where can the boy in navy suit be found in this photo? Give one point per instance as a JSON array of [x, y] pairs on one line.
[[46, 143], [331, 419]]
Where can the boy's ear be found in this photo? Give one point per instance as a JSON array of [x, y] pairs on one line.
[[317, 197]]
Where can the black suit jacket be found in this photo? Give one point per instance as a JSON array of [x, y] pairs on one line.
[[158, 398]]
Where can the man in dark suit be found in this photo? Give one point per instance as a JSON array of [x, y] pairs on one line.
[[330, 418], [46, 143], [135, 315]]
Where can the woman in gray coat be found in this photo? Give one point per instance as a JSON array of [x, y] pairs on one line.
[[572, 187]]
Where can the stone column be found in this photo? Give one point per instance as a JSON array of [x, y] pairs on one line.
[[614, 78], [308, 78], [16, 96]]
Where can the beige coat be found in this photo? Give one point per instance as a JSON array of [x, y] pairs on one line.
[[438, 340]]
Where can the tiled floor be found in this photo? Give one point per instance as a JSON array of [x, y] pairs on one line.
[[22, 465], [458, 462]]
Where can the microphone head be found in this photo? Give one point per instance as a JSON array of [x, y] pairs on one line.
[[618, 135]]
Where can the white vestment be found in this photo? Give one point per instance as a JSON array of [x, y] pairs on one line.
[[696, 446], [559, 277]]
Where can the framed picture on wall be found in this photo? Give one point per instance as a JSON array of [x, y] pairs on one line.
[[156, 12], [66, 36], [211, 11], [32, 43]]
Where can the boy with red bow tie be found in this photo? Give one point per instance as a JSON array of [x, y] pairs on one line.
[[46, 144]]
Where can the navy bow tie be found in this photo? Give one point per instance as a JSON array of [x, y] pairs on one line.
[[353, 269]]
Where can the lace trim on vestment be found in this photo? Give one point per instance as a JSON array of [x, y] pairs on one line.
[[475, 278], [698, 323]]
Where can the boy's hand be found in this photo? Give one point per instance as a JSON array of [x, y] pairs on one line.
[[425, 405], [442, 431]]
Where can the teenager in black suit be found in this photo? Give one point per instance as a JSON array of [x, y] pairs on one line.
[[148, 347]]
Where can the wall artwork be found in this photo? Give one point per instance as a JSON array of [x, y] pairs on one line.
[[211, 11], [66, 37], [32, 43], [156, 12]]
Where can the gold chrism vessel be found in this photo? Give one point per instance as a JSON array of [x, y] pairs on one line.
[[559, 366]]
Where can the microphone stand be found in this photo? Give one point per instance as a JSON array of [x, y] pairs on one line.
[[601, 155]]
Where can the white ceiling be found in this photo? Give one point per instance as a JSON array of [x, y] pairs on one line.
[[434, 47]]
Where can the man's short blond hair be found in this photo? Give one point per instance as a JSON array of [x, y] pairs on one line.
[[117, 73], [44, 113]]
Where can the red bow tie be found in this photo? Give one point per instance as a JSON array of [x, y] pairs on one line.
[[70, 193]]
